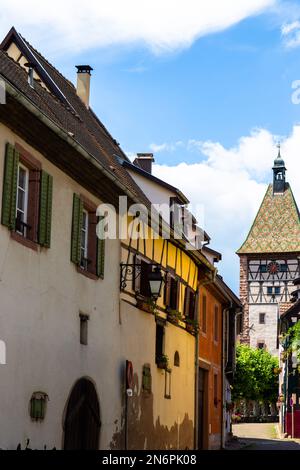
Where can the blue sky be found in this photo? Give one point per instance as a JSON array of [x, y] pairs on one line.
[[210, 95]]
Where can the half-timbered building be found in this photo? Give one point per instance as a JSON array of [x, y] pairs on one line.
[[269, 262]]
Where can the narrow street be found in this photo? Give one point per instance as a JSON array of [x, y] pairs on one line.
[[263, 436]]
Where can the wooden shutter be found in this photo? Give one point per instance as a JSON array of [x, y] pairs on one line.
[[76, 229], [46, 190], [187, 302], [167, 290], [9, 196], [100, 254]]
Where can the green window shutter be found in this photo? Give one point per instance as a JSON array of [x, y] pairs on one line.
[[76, 229], [45, 209], [100, 253], [9, 196]]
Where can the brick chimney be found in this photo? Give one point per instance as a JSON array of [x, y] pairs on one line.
[[83, 83], [144, 161]]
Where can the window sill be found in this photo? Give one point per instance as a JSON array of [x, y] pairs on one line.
[[87, 274], [24, 241]]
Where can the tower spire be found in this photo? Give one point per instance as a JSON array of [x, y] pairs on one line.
[[279, 173]]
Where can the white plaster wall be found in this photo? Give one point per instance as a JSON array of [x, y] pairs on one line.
[[41, 296], [156, 193], [267, 331]]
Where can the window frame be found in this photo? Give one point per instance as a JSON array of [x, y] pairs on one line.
[[84, 249], [262, 315], [90, 270], [34, 166], [26, 197]]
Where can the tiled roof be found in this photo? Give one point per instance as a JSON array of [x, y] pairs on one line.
[[276, 228], [74, 118]]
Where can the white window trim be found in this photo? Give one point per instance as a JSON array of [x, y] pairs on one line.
[[25, 190]]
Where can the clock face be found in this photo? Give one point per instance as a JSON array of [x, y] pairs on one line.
[[273, 267]]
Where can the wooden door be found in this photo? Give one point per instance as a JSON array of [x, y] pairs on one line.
[[202, 408], [82, 423]]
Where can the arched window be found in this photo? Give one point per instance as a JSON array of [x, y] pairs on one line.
[[176, 359]]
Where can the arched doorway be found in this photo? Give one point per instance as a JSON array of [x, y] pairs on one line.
[[82, 422]]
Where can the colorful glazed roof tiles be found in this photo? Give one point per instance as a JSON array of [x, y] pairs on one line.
[[276, 228]]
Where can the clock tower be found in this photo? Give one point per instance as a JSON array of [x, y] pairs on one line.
[[269, 262]]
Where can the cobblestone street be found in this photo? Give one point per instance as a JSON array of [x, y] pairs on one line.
[[263, 436]]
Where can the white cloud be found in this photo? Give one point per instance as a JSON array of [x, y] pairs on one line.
[[165, 147], [72, 25], [230, 183]]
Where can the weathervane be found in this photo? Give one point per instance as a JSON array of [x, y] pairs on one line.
[[279, 148]]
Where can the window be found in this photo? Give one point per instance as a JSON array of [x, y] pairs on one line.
[[262, 318], [273, 290], [215, 390], [84, 329], [159, 346], [261, 344], [216, 323], [176, 359], [204, 317], [283, 268], [171, 296], [87, 249], [189, 303], [22, 200], [263, 268], [26, 198]]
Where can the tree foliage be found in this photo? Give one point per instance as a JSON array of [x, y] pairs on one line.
[[256, 376], [291, 340]]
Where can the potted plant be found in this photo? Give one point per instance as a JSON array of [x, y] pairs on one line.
[[192, 325], [162, 361], [174, 316]]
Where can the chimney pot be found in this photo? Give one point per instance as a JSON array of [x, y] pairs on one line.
[[83, 83], [144, 161]]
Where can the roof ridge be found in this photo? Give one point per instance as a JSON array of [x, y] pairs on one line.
[[253, 223]]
